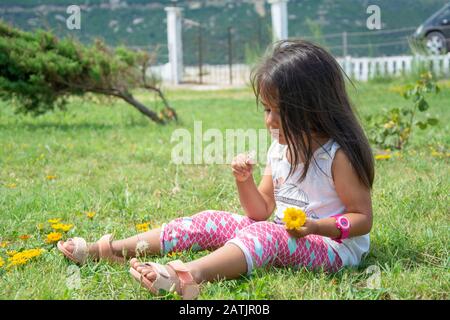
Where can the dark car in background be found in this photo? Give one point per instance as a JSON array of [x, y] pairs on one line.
[[435, 32]]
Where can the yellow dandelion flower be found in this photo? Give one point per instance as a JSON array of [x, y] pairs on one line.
[[51, 177], [142, 227], [3, 244], [294, 218], [11, 186], [62, 226], [2, 262], [437, 154], [389, 125], [382, 156], [20, 258], [24, 237], [53, 221], [90, 214], [173, 254], [53, 237]]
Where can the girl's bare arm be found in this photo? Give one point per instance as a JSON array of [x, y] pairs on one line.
[[258, 203]]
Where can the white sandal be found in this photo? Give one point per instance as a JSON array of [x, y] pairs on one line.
[[80, 251], [183, 283]]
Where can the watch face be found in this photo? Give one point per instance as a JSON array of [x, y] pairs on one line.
[[343, 221]]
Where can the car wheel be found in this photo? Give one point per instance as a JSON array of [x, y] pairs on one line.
[[436, 43]]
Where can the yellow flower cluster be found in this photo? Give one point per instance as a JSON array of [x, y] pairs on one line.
[[439, 153], [54, 237], [62, 227], [142, 227], [20, 258], [294, 218], [1, 262]]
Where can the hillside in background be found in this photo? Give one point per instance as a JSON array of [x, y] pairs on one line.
[[142, 23]]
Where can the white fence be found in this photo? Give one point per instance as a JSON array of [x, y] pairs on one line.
[[361, 69], [364, 69]]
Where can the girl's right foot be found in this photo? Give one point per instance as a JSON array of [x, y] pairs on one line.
[[77, 250]]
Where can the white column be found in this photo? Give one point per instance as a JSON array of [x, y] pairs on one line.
[[174, 43], [279, 19]]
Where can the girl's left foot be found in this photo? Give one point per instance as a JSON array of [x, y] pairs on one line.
[[174, 276]]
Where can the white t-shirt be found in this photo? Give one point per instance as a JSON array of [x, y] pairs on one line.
[[315, 195]]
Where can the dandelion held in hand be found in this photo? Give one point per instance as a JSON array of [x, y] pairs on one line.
[[294, 218]]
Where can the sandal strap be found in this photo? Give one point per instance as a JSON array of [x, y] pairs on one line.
[[189, 288], [104, 246], [80, 250], [105, 250], [163, 280]]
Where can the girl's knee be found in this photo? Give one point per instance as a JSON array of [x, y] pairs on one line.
[[209, 213], [261, 229]]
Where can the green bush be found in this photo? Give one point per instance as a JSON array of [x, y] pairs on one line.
[[40, 72], [392, 128]]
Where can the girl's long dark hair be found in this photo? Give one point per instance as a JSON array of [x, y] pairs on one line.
[[307, 84]]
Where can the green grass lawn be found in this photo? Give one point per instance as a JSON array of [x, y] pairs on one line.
[[109, 159]]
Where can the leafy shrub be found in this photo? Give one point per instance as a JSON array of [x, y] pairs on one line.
[[392, 128]]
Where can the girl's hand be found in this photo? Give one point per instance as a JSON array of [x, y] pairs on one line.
[[242, 167], [310, 227]]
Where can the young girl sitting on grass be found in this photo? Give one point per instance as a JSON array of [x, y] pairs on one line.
[[320, 162]]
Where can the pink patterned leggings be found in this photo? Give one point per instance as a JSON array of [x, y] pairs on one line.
[[263, 243]]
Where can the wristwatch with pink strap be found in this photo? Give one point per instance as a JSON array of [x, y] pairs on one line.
[[343, 224]]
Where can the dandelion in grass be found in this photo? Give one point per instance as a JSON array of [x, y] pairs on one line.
[[2, 262], [54, 237], [11, 185], [173, 254], [24, 237], [62, 227], [21, 258], [141, 247], [53, 221], [294, 218], [382, 156], [90, 214], [51, 177], [142, 227]]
